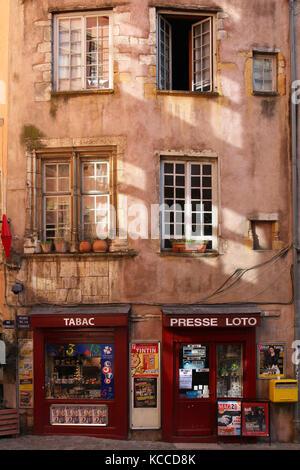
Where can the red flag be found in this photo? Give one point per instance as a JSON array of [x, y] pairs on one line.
[[6, 236]]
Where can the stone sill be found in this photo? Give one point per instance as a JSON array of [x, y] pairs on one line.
[[194, 94], [210, 254], [77, 254], [265, 93], [106, 91]]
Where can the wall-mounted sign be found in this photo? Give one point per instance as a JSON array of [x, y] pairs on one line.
[[8, 324], [271, 360], [25, 366], [23, 321], [212, 321]]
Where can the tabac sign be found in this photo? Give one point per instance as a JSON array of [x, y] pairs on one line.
[[212, 321]]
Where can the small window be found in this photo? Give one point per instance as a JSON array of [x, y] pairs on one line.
[[82, 52], [185, 51], [264, 73]]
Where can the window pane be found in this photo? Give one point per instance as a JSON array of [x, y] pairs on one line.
[[76, 371], [229, 371], [193, 371]]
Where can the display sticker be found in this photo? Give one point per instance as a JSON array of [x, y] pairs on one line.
[[185, 379], [107, 371]]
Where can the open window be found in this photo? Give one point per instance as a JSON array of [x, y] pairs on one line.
[[185, 52]]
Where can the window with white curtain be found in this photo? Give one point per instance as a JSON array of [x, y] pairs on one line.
[[82, 51]]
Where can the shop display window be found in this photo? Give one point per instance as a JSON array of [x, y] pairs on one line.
[[229, 371], [79, 371], [193, 371]]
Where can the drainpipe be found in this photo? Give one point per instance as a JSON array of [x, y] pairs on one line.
[[294, 143]]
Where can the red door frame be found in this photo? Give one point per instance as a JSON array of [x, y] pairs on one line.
[[117, 408], [218, 335]]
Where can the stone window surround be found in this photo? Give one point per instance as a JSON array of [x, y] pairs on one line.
[[115, 146]]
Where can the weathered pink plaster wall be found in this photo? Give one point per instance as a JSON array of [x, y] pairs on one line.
[[248, 134]]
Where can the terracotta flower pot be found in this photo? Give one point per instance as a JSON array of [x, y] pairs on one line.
[[85, 246], [100, 245], [46, 247], [61, 246]]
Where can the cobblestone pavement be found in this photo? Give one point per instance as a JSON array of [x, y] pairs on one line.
[[32, 442]]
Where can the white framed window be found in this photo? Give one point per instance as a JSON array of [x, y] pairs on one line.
[[83, 51], [185, 52], [264, 72], [189, 201], [95, 198], [56, 200], [76, 197]]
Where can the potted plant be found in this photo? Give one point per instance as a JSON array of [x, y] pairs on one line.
[[60, 243], [46, 246], [185, 246]]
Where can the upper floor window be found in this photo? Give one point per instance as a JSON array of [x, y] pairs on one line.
[[76, 196], [185, 52], [189, 199], [82, 51], [264, 72]]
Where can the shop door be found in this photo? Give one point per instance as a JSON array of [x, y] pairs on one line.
[[205, 372], [194, 389]]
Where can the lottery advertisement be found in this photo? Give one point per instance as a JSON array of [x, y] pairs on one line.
[[107, 371]]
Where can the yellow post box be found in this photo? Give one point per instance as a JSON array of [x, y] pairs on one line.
[[283, 391]]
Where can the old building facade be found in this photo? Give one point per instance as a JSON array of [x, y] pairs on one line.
[[141, 122]]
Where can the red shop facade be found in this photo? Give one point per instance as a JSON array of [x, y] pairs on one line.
[[209, 353], [81, 371]]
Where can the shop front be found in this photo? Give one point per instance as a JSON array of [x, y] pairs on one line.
[[208, 355], [81, 371]]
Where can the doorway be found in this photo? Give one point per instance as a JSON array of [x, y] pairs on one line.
[[206, 366]]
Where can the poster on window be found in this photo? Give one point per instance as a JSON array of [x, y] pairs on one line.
[[271, 360], [25, 366], [144, 359], [229, 418], [255, 418], [145, 392], [86, 415], [107, 371]]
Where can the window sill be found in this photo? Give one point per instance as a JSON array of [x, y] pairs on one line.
[[77, 254], [188, 93], [172, 254], [265, 93], [107, 91]]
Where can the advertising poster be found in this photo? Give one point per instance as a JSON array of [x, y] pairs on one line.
[[25, 368], [87, 415], [271, 360], [144, 358], [255, 419], [229, 418], [107, 371], [145, 392]]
